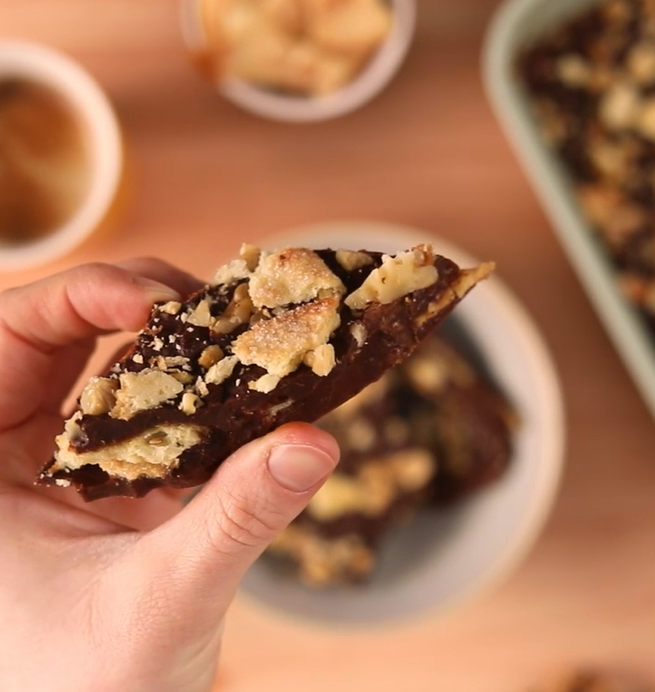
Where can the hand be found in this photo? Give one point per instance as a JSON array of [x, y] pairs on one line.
[[121, 595]]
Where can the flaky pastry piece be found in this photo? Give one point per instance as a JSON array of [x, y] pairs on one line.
[[276, 337]]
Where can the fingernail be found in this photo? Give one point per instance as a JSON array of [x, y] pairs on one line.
[[299, 467], [155, 291]]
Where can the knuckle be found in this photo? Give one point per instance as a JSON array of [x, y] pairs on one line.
[[242, 523]]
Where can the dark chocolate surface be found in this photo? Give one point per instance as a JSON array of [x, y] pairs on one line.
[[236, 414]]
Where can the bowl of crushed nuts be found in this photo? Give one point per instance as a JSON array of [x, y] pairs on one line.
[[298, 60], [572, 85], [449, 465]]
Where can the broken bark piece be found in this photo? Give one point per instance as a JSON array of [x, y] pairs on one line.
[[207, 376]]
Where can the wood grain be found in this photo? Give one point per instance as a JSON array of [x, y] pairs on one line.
[[202, 176]]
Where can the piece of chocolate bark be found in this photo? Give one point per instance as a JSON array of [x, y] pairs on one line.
[[276, 337]]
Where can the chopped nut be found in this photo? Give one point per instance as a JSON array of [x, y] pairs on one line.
[[181, 376], [99, 396], [265, 384], [413, 468], [251, 255], [278, 345], [201, 316], [361, 435], [230, 273], [573, 70], [169, 362], [321, 360], [291, 276], [138, 358], [646, 120], [358, 330], [619, 106], [210, 356], [351, 260], [641, 63], [396, 431], [225, 325], [219, 372], [238, 312], [396, 277], [201, 387], [171, 308], [142, 391], [190, 403]]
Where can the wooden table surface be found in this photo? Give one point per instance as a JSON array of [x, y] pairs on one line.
[[202, 176]]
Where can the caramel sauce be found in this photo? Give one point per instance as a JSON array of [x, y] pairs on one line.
[[43, 161]]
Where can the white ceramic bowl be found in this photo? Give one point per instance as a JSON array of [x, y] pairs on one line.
[[517, 23], [449, 555], [34, 62], [275, 106]]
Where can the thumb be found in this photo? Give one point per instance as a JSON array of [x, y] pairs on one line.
[[196, 560]]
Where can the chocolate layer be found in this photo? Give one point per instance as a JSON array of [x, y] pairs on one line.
[[232, 413]]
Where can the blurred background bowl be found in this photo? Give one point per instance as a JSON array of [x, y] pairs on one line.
[[374, 77], [447, 556], [35, 63]]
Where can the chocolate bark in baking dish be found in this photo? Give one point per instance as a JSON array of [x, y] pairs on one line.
[[276, 337]]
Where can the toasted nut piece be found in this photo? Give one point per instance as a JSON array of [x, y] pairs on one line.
[[210, 356], [396, 277], [170, 308], [190, 403], [321, 360], [201, 316], [99, 396], [351, 260]]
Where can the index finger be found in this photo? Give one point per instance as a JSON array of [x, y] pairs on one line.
[[38, 320]]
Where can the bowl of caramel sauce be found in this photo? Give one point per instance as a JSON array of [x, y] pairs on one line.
[[60, 154]]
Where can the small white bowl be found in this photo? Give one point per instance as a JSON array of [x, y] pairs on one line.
[[289, 108], [38, 63], [449, 555]]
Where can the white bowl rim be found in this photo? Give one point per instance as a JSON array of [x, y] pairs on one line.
[[296, 109], [29, 60], [553, 452]]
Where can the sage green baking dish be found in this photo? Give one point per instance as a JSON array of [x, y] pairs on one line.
[[516, 24]]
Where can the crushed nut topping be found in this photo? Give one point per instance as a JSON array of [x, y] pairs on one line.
[[351, 260], [230, 273], [142, 391], [292, 276], [210, 356], [265, 384], [397, 276], [251, 254], [358, 330], [99, 396], [171, 308], [190, 403], [201, 316], [321, 360], [238, 312], [219, 372], [279, 345]]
